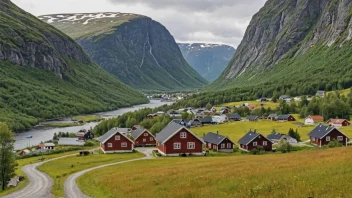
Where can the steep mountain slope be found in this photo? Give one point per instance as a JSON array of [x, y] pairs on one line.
[[209, 60], [137, 50], [302, 44], [45, 74]]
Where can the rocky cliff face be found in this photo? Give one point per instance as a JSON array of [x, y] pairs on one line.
[[137, 50], [285, 29], [209, 60]]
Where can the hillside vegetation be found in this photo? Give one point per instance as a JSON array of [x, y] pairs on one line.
[[136, 49], [44, 74], [315, 173]]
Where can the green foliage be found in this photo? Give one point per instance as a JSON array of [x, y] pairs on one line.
[[294, 134], [333, 144], [89, 143], [7, 156], [284, 146], [259, 150]]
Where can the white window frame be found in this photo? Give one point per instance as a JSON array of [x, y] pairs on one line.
[[191, 145], [339, 138], [145, 134], [177, 145], [255, 143], [229, 145], [265, 143], [117, 137], [222, 145], [183, 135], [144, 139], [109, 145], [328, 138], [151, 139], [123, 144]]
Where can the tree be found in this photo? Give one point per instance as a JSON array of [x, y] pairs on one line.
[[208, 106], [284, 146], [7, 155]]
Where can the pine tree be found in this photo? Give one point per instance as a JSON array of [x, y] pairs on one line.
[[7, 155]]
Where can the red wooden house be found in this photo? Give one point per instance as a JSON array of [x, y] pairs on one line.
[[218, 142], [286, 117], [114, 141], [176, 139], [151, 116], [252, 140], [339, 122], [142, 137], [322, 135]]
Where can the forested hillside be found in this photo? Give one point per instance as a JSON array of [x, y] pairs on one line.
[[44, 74]]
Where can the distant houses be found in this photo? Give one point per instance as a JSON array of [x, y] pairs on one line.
[[272, 117], [312, 120], [252, 118], [286, 117], [143, 137], [338, 122], [323, 135], [320, 93], [115, 141], [217, 142], [276, 137], [234, 117], [175, 140], [252, 140]]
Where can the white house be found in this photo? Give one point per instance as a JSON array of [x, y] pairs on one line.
[[312, 120], [219, 119]]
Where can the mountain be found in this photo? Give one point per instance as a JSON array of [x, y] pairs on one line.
[[44, 74], [300, 46], [209, 60], [137, 50]]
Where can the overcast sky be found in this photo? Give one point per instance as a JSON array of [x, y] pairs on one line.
[[210, 21]]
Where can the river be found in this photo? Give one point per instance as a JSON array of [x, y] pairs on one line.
[[40, 134]]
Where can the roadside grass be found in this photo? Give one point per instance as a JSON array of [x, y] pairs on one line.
[[87, 118], [61, 125], [316, 173], [33, 160], [60, 170]]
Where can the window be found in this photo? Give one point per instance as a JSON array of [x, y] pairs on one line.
[[117, 137], [145, 134], [339, 138], [144, 140], [265, 143], [151, 138], [328, 138], [183, 135], [124, 144], [109, 145], [177, 145], [229, 145], [255, 143], [191, 145], [222, 145]]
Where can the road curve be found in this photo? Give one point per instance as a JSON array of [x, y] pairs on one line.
[[71, 188], [40, 184]]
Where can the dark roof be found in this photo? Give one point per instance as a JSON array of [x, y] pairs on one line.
[[252, 117], [138, 132], [283, 117], [214, 138], [275, 136], [206, 120], [273, 115], [320, 131], [234, 116], [168, 131], [112, 132], [248, 137]]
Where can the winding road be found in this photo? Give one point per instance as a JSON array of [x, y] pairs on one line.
[[71, 188], [40, 184]]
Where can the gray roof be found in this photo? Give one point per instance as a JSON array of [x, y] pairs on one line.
[[206, 120], [214, 138], [252, 117], [283, 117], [275, 136], [138, 132], [274, 115], [234, 116], [70, 142], [320, 131], [168, 131], [112, 132], [248, 137]]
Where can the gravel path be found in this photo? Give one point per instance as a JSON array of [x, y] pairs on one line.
[[71, 188]]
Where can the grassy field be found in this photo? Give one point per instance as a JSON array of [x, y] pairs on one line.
[[317, 173], [61, 125], [256, 104], [32, 160], [87, 118], [61, 169]]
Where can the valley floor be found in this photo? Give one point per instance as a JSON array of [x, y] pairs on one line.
[[317, 173]]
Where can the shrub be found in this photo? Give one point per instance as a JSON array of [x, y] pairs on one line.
[[89, 143], [284, 146], [333, 144], [257, 151]]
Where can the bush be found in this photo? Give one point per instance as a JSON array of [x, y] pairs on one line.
[[89, 143], [334, 144], [257, 151], [284, 146]]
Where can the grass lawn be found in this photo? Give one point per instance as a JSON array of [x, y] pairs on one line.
[[32, 160], [317, 173], [87, 118], [61, 125], [256, 104], [61, 169]]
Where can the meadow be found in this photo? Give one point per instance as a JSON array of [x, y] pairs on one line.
[[60, 170], [87, 118], [256, 104], [316, 173]]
